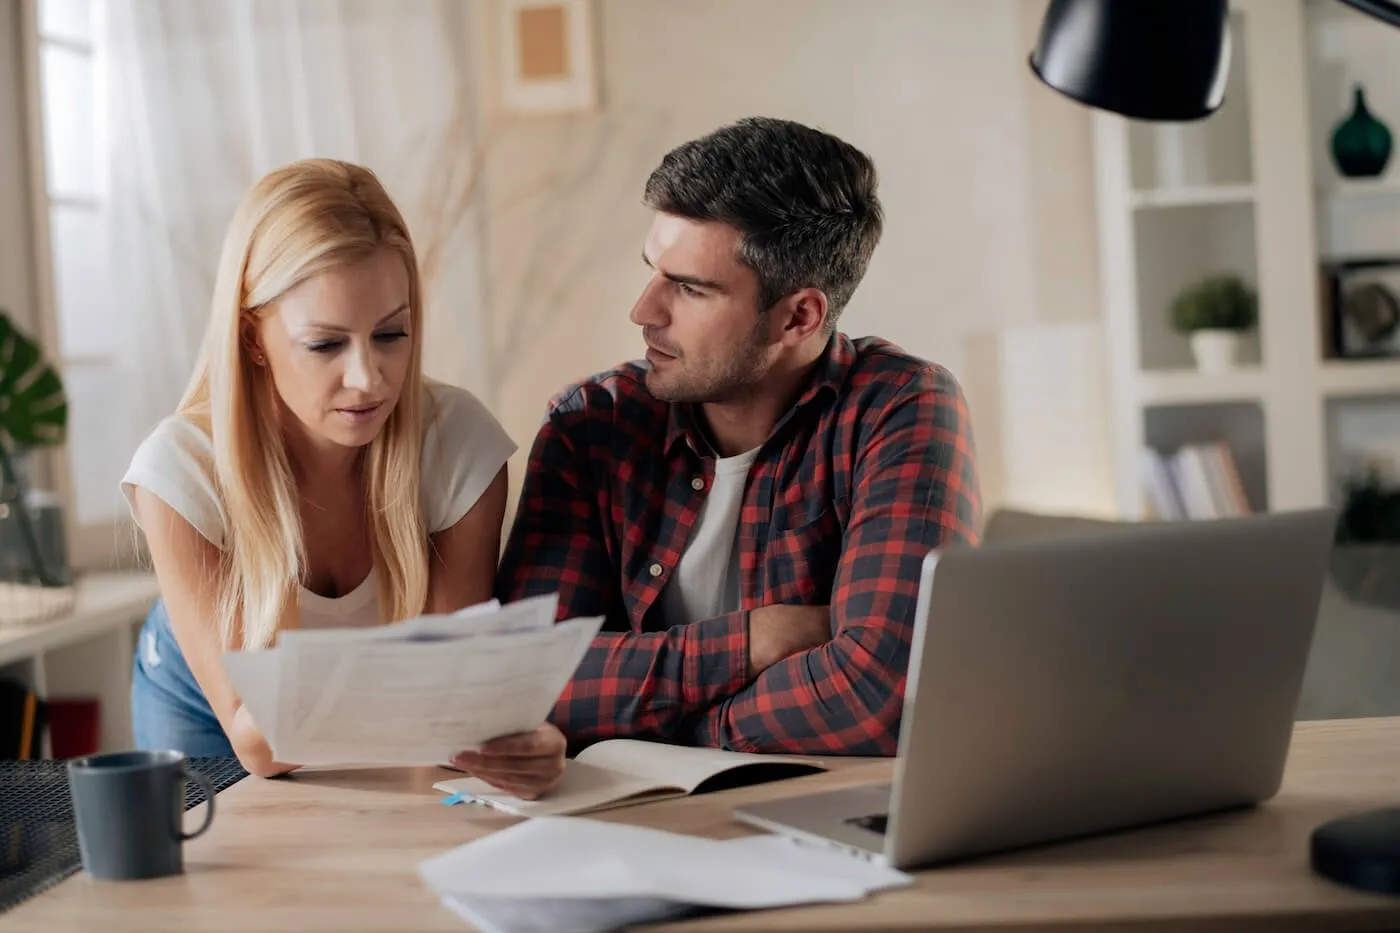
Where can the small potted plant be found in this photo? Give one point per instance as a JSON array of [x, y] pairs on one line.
[[33, 413], [1366, 559], [1215, 313]]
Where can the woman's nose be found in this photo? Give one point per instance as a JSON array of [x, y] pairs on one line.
[[361, 371]]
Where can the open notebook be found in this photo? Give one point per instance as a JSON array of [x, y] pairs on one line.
[[623, 772]]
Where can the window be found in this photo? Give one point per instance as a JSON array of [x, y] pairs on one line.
[[66, 117]]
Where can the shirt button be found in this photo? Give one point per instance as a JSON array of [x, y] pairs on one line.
[[698, 483], [656, 570]]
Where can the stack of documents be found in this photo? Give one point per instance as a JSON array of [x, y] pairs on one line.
[[575, 874], [415, 692]]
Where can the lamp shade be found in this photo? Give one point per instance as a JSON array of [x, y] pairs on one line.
[[1145, 59]]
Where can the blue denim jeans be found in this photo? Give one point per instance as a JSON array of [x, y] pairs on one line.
[[168, 709]]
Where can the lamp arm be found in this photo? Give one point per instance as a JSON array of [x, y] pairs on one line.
[[1384, 10]]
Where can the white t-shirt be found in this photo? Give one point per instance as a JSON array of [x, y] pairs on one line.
[[706, 581], [464, 447]]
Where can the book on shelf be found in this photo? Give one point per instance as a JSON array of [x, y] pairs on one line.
[[1196, 481], [23, 716]]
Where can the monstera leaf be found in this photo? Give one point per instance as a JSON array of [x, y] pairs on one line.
[[33, 406]]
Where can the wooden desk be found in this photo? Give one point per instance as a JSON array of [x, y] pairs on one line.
[[338, 850]]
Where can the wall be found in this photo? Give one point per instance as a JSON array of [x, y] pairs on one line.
[[16, 256], [985, 176]]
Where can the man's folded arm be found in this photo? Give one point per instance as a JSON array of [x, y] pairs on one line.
[[640, 685], [915, 488]]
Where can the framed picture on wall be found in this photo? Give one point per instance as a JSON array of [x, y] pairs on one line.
[[1361, 307], [547, 57]]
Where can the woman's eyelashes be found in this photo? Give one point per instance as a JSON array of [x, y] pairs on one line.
[[383, 338]]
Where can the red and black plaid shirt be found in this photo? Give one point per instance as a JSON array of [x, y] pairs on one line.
[[869, 471]]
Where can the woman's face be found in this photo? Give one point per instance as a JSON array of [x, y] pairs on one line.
[[337, 347]]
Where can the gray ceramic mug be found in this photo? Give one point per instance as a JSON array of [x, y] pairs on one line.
[[129, 808]]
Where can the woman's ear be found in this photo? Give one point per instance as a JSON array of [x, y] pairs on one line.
[[252, 343]]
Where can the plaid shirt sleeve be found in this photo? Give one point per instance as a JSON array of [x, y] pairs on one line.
[[914, 488], [628, 683], [556, 542]]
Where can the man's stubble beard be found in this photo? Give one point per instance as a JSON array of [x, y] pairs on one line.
[[737, 378]]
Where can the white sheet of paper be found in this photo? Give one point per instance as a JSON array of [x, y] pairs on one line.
[[453, 623], [255, 677], [501, 915], [332, 700], [422, 702], [563, 858], [527, 615]]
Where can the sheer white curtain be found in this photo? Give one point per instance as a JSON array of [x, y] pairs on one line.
[[201, 98]]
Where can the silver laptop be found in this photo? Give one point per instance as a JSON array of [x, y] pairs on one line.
[[1065, 687]]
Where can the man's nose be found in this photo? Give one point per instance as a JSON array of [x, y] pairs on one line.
[[650, 309]]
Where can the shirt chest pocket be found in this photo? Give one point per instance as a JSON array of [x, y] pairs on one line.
[[799, 564]]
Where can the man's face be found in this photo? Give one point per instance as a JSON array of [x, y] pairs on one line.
[[707, 338]]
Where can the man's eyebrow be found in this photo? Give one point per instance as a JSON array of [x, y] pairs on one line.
[[337, 329], [692, 280]]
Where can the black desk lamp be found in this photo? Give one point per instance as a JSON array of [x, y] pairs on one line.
[[1167, 60], [1147, 59]]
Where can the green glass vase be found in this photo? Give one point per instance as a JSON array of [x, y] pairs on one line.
[[1361, 143]]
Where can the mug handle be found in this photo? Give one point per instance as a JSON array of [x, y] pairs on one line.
[[209, 793]]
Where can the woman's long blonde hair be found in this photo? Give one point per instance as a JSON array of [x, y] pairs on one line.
[[297, 222]]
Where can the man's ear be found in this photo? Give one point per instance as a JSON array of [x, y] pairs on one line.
[[805, 312]]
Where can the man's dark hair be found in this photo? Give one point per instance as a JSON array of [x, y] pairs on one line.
[[804, 201]]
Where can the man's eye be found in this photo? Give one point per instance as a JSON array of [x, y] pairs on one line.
[[690, 290]]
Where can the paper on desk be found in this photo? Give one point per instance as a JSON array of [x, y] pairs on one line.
[[531, 876], [407, 700], [499, 915]]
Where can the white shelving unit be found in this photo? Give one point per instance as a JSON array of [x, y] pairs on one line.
[[1192, 196], [1167, 387], [86, 651], [1360, 187], [1358, 378], [1251, 191]]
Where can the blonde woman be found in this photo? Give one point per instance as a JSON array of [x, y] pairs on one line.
[[311, 476]]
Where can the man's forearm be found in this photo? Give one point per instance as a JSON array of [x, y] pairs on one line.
[[648, 685], [836, 699]]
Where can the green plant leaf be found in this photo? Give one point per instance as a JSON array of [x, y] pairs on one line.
[[1371, 509], [33, 405], [1217, 301]]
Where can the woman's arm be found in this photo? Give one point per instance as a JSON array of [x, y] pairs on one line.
[[462, 573], [187, 569], [462, 559]]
